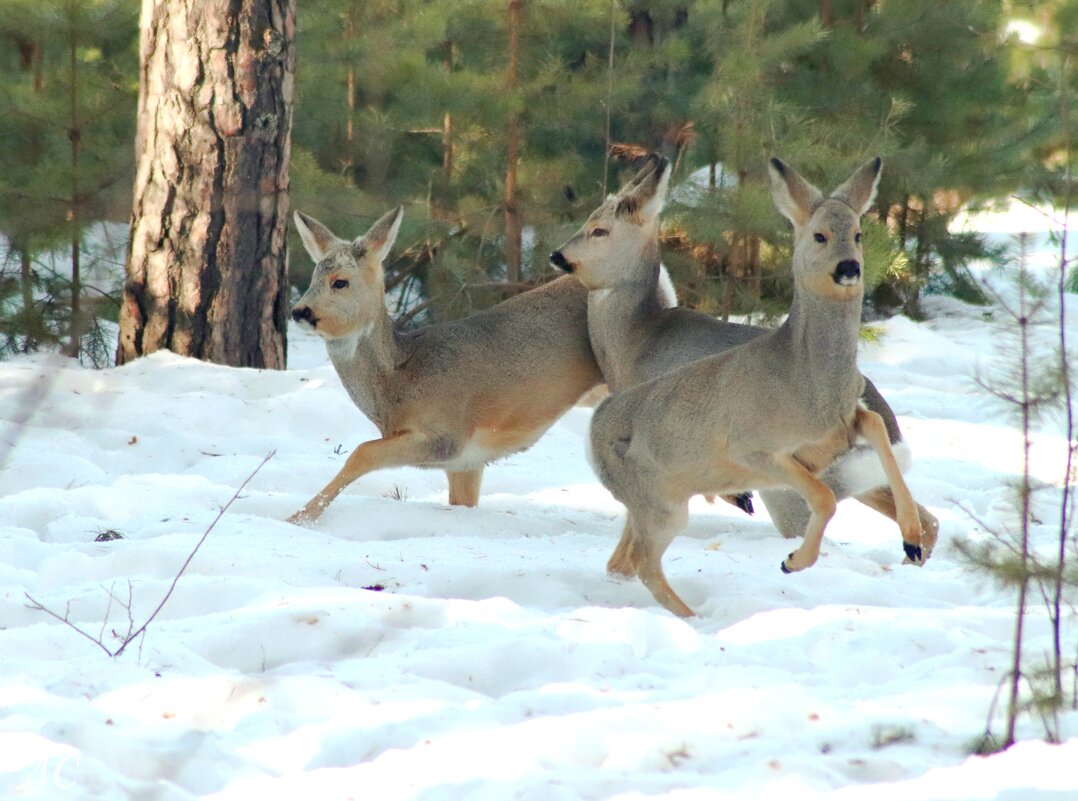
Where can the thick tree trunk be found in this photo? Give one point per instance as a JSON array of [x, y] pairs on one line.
[[206, 264]]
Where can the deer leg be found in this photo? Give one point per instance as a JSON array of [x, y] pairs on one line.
[[464, 487], [397, 450], [621, 561], [820, 500], [883, 501], [788, 511], [871, 427], [651, 537]]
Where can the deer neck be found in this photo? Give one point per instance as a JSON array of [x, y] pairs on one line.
[[616, 322], [365, 362], [823, 335]]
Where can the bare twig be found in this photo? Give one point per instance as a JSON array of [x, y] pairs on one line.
[[36, 605], [141, 630], [191, 555]]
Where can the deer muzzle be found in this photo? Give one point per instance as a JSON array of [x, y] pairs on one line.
[[303, 314], [847, 273], [557, 258]]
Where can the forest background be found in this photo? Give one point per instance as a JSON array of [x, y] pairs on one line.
[[493, 122]]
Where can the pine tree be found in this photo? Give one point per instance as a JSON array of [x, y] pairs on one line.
[[432, 87], [741, 121], [65, 164], [206, 272]]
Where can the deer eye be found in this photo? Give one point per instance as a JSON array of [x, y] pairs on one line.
[[340, 283], [857, 237], [820, 238], [599, 232]]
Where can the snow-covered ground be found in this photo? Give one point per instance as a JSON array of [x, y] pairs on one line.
[[403, 649]]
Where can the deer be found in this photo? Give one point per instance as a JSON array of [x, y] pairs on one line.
[[455, 395], [714, 408], [638, 332]]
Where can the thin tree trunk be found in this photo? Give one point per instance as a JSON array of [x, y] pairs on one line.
[[1025, 491], [74, 134], [1059, 580], [912, 307], [350, 81], [39, 68], [512, 210], [825, 14], [728, 286], [445, 204], [350, 132], [609, 94], [752, 267], [26, 276], [447, 147], [35, 330], [207, 259]]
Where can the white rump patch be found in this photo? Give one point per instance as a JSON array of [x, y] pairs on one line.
[[860, 470], [471, 457]]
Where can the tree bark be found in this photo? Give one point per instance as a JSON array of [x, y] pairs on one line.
[[513, 238], [207, 259]]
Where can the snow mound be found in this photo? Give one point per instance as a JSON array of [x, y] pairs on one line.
[[404, 649]]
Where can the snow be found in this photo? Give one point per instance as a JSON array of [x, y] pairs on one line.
[[499, 661], [692, 191]]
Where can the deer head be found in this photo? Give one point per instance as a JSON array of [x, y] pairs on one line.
[[347, 291], [828, 258], [618, 233]]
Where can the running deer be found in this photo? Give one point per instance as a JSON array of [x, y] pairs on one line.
[[453, 396], [638, 333], [772, 412]]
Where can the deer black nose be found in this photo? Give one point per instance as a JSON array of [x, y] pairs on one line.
[[847, 272], [300, 313], [559, 261]]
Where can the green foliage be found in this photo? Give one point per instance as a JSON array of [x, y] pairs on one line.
[[1033, 551], [69, 80], [408, 102]]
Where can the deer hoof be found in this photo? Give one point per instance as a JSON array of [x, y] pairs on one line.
[[913, 553], [783, 567], [743, 501]]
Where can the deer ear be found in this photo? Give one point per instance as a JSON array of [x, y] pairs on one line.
[[380, 238], [317, 239], [860, 190], [794, 197], [643, 197]]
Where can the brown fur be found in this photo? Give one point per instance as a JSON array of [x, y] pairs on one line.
[[768, 413], [639, 333], [452, 396]]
